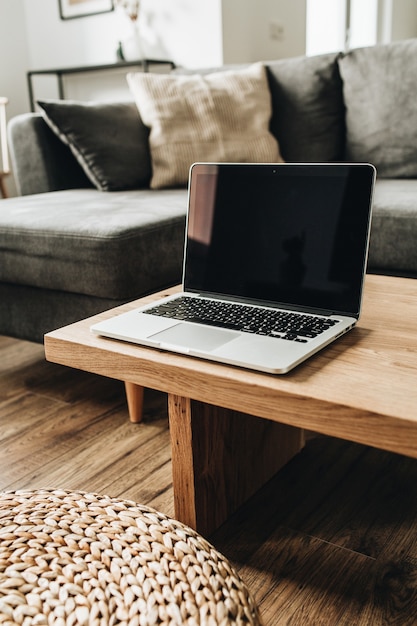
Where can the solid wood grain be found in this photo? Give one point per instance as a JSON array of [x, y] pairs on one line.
[[220, 458], [134, 397], [361, 391], [361, 388], [314, 554]]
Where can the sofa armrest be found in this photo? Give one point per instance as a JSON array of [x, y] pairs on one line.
[[40, 161]]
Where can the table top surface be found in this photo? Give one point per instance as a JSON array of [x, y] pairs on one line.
[[362, 387]]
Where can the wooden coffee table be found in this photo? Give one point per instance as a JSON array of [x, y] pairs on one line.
[[232, 429]]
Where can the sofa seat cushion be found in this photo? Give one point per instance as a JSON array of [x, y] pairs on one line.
[[379, 85], [393, 246], [119, 245]]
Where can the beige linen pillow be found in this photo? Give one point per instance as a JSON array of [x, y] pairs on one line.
[[221, 116]]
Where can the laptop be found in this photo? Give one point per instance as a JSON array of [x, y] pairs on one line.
[[274, 264]]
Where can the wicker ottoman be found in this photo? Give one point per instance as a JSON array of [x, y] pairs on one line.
[[75, 558]]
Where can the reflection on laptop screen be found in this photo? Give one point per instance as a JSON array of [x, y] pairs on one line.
[[283, 235]]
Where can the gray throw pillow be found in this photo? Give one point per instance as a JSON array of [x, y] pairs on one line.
[[307, 106], [379, 85], [109, 141]]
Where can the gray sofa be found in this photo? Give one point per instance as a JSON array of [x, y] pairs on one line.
[[72, 245]]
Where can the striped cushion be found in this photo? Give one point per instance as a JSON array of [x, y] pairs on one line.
[[223, 116]]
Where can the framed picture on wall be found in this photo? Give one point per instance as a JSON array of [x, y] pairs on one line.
[[69, 9]]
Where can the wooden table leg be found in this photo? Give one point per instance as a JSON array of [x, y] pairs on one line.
[[220, 458], [134, 396]]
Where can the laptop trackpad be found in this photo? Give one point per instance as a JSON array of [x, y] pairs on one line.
[[195, 337]]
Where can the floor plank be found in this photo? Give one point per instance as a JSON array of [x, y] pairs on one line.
[[331, 540]]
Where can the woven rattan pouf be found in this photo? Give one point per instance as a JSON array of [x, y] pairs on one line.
[[75, 558]]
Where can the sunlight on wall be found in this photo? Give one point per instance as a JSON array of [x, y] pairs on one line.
[[363, 29], [334, 25], [326, 26]]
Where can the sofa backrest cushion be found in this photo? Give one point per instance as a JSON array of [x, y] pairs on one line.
[[307, 105], [379, 85], [109, 141]]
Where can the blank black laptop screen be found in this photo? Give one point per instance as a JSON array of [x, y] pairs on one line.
[[294, 235]]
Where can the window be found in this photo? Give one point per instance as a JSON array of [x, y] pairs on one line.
[[334, 25]]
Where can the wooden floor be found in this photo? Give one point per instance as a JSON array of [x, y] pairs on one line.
[[332, 540]]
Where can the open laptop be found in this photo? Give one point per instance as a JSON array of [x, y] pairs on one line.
[[275, 257]]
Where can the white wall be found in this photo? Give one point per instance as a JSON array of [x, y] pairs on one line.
[[256, 30], [53, 42], [14, 56], [13, 63], [279, 29], [193, 33], [184, 30], [404, 19]]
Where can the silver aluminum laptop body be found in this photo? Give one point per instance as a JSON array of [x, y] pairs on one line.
[[290, 237]]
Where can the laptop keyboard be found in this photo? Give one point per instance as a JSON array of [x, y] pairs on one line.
[[248, 319]]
